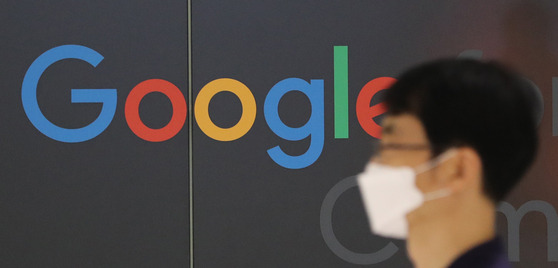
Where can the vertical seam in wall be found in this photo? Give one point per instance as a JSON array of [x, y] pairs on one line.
[[190, 139]]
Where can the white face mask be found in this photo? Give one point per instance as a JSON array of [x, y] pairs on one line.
[[390, 193]]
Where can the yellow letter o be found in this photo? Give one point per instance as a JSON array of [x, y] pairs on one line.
[[201, 109]]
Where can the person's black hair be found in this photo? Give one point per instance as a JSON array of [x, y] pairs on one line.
[[482, 105]]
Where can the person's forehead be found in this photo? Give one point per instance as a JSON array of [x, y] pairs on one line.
[[403, 127]]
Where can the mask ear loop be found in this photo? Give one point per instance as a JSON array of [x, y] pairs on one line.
[[431, 164], [437, 194], [434, 162]]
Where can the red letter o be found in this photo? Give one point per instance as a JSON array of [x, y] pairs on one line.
[[131, 110]]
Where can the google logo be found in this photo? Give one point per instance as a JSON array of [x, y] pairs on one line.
[[313, 90]]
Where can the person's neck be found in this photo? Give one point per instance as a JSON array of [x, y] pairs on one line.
[[436, 243]]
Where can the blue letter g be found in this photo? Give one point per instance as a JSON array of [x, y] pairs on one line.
[[105, 96]]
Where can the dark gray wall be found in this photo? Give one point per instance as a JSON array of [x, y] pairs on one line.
[[115, 200], [119, 201], [251, 212]]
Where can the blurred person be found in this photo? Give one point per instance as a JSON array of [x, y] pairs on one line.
[[457, 136]]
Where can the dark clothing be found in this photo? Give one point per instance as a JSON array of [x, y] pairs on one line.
[[490, 254]]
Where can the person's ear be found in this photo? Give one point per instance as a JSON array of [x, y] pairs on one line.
[[465, 170]]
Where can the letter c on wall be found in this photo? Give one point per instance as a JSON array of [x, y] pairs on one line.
[[326, 225]]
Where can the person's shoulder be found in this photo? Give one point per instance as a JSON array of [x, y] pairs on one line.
[[489, 254]]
